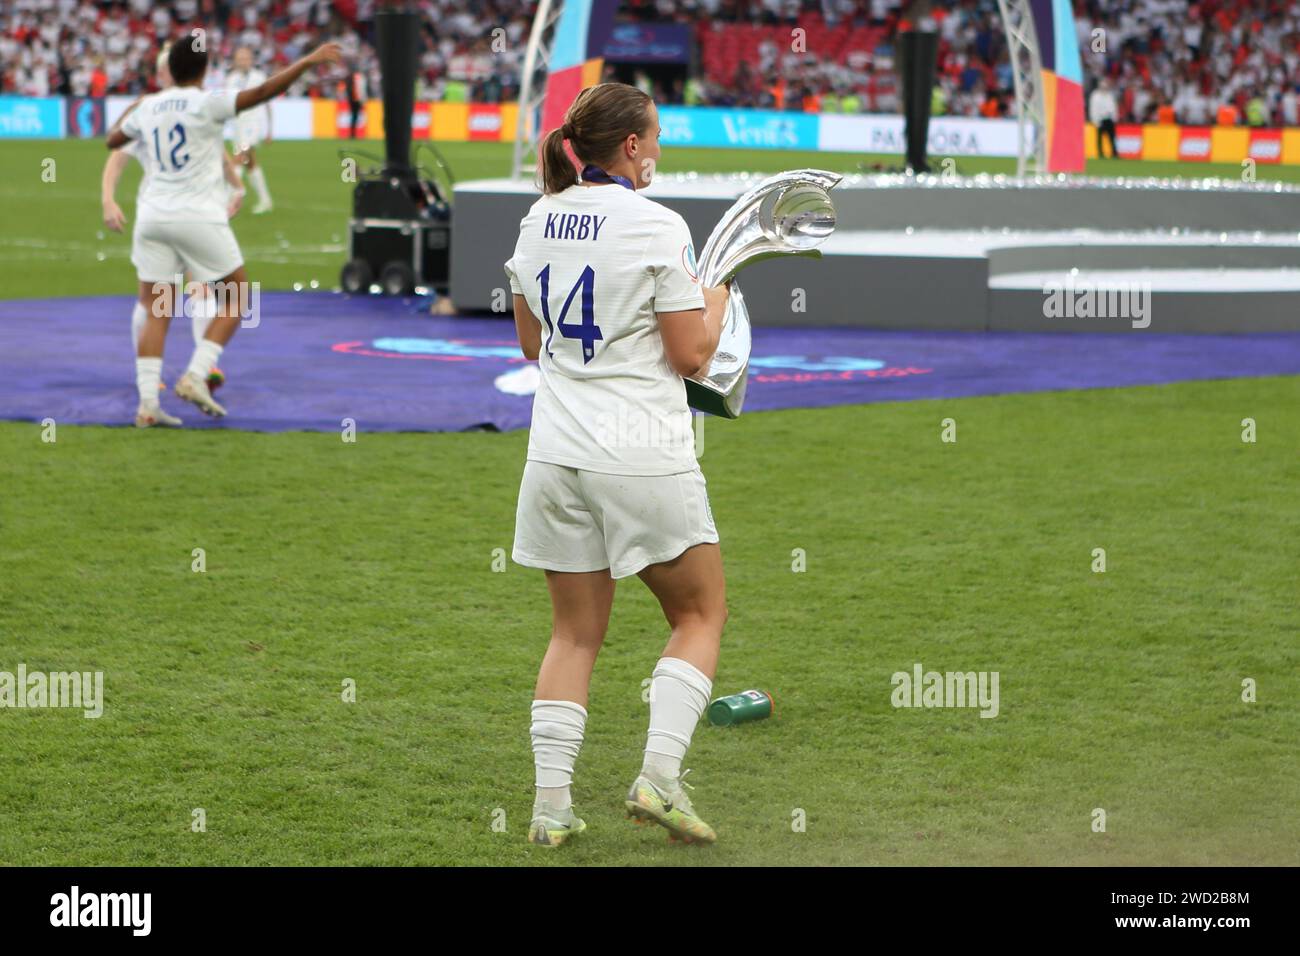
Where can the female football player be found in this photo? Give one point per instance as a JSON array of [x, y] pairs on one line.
[[202, 308], [181, 217], [607, 298]]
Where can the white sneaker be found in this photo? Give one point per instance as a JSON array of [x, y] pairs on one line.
[[262, 207], [149, 416], [193, 389]]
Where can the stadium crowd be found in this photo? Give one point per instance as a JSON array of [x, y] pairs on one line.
[[1227, 61], [1224, 61], [94, 48]]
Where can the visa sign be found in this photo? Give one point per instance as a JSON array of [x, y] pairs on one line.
[[739, 129], [29, 117]]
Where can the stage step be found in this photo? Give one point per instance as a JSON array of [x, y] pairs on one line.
[[976, 253], [1194, 282]]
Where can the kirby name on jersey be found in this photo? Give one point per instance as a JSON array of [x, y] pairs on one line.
[[572, 225]]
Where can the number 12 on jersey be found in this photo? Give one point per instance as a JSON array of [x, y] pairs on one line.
[[587, 332], [176, 138]]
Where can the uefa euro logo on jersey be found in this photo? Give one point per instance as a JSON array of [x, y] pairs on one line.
[[688, 261], [789, 214]]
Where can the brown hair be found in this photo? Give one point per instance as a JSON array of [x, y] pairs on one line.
[[597, 122]]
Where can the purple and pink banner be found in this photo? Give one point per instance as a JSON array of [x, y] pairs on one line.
[[577, 56], [1062, 80]]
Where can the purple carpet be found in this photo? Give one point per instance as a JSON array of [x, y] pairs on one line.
[[317, 358]]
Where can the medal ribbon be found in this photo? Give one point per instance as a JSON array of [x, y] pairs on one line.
[[594, 174]]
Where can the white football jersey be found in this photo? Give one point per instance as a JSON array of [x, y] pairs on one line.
[[179, 130], [595, 264], [240, 80]]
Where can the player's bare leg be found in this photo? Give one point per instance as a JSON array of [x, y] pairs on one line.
[[692, 593], [232, 298], [248, 157], [580, 616], [158, 300], [580, 605]]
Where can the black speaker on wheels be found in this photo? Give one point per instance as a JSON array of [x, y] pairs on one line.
[[918, 52], [400, 231]]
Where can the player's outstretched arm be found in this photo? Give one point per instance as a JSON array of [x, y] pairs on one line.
[[324, 54]]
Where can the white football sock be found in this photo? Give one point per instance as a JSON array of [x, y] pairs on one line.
[[205, 356], [139, 316], [148, 373], [203, 309], [679, 692], [557, 730], [258, 179]]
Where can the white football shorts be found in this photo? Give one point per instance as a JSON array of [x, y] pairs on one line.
[[249, 129], [574, 520], [160, 250]]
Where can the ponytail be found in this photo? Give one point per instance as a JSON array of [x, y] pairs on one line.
[[558, 173]]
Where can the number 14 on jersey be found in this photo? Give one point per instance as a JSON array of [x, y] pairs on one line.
[[586, 331]]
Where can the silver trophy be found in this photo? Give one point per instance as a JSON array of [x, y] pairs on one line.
[[789, 214]]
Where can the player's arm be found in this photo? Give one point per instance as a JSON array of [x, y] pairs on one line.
[[691, 336], [527, 328], [116, 138], [113, 167], [324, 54]]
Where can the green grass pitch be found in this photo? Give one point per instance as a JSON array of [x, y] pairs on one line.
[[373, 562]]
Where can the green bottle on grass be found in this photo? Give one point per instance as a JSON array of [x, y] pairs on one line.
[[738, 708]]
